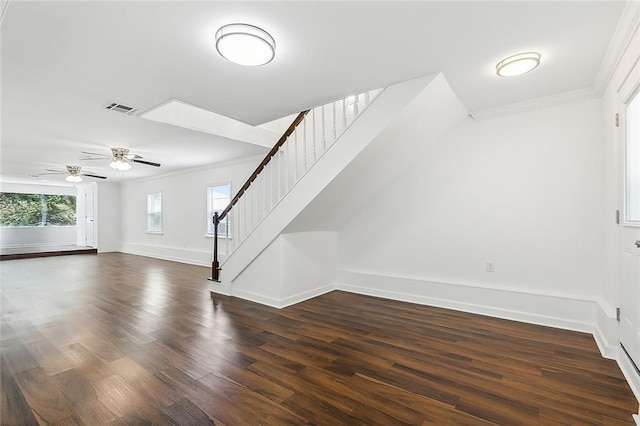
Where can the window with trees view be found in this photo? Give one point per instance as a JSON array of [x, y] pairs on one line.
[[37, 209]]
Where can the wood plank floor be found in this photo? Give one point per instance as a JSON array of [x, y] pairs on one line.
[[126, 340]]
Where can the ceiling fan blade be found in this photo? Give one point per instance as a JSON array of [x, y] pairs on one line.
[[133, 156], [54, 172], [148, 163], [93, 176], [96, 154], [95, 158]]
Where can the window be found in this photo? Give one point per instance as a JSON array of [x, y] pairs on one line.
[[154, 212], [632, 163], [37, 210], [218, 197]]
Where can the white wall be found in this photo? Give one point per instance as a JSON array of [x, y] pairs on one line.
[[108, 216], [37, 235], [522, 191], [310, 260], [184, 204], [293, 268], [34, 236]]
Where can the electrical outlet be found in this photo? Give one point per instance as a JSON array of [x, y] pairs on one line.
[[491, 267]]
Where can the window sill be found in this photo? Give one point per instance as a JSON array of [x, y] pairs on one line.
[[155, 232], [219, 236], [36, 226]]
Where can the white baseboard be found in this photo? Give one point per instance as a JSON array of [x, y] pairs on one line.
[[58, 244], [174, 254], [221, 288], [306, 295], [606, 336], [256, 297], [110, 250], [605, 331], [281, 303], [552, 310], [630, 373]]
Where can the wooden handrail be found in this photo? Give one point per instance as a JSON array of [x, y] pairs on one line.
[[264, 162], [217, 218]]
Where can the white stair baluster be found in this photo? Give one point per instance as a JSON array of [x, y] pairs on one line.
[[344, 114], [324, 132], [287, 163], [314, 139], [304, 145]]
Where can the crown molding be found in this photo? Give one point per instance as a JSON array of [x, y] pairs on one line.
[[228, 163], [534, 104], [624, 33]]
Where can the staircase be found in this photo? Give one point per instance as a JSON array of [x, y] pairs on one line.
[[314, 152]]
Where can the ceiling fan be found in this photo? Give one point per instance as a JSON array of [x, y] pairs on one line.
[[73, 174], [120, 159]]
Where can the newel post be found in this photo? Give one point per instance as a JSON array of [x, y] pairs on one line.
[[215, 265]]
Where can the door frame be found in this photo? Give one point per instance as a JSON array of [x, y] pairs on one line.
[[625, 93], [81, 222]]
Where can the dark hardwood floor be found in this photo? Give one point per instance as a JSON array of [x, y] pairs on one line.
[[126, 340]]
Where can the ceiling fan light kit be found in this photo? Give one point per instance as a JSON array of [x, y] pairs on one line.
[[120, 159], [119, 164], [73, 179], [73, 174]]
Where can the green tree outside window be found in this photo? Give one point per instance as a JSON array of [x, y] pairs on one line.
[[37, 209]]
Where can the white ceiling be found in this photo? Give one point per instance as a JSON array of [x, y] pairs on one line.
[[62, 62]]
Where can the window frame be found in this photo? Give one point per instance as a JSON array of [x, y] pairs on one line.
[[210, 211], [634, 96], [43, 213], [149, 213]]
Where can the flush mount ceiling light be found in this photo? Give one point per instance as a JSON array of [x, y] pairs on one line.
[[518, 64], [245, 44]]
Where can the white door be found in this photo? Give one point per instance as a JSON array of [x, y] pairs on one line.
[[89, 239], [629, 231]]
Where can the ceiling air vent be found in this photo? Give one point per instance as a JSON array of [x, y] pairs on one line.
[[121, 108]]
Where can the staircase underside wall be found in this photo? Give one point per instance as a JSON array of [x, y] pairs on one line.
[[387, 107]]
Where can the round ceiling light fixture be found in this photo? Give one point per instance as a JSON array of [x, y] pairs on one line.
[[245, 44], [518, 64]]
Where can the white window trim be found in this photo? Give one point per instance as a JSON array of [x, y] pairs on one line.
[[161, 231], [625, 222], [208, 219]]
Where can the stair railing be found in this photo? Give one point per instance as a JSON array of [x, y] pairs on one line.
[[304, 142]]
